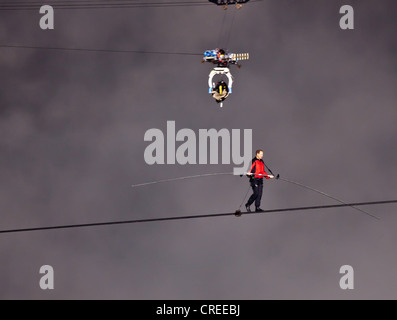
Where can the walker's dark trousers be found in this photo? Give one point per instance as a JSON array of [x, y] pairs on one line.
[[257, 187]]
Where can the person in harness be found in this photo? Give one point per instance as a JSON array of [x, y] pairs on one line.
[[220, 91], [256, 174]]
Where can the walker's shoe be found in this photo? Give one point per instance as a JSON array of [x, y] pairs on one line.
[[248, 208], [259, 210]]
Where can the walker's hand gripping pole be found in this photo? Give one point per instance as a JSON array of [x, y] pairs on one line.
[[264, 175]]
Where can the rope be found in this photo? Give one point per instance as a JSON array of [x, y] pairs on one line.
[[74, 226]]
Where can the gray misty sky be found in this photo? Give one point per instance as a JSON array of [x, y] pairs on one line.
[[321, 102]]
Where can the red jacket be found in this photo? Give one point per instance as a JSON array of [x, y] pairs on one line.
[[258, 167]]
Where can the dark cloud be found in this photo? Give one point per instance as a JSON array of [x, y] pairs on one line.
[[320, 101]]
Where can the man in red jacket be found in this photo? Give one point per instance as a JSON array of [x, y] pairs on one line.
[[257, 173]]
